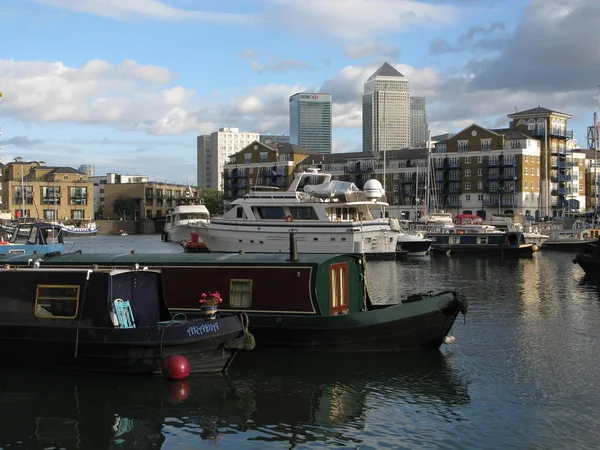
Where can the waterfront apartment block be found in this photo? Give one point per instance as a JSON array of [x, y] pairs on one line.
[[550, 128], [149, 199], [33, 190], [110, 178], [213, 152], [271, 165], [310, 121], [386, 111], [419, 128]]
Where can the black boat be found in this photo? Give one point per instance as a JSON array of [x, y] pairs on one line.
[[315, 302], [462, 241], [590, 261], [109, 320]]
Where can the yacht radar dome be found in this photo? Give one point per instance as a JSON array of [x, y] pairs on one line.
[[373, 189]]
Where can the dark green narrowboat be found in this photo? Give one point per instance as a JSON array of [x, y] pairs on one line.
[[316, 302]]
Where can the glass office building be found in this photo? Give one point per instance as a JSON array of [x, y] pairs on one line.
[[310, 121]]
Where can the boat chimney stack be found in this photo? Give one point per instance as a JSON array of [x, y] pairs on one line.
[[293, 246]]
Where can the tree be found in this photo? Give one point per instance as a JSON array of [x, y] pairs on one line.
[[213, 200], [124, 206]]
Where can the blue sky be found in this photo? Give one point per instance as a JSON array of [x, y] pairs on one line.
[[127, 85]]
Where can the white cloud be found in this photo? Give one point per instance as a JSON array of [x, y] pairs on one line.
[[342, 19], [98, 92], [150, 9], [360, 19]]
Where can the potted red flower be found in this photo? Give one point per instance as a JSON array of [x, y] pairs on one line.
[[209, 303]]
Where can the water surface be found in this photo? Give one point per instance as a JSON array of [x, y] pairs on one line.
[[522, 374]]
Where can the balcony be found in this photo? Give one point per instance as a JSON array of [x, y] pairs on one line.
[[358, 168], [493, 163]]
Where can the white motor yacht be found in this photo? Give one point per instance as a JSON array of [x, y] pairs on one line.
[[327, 216], [178, 225]]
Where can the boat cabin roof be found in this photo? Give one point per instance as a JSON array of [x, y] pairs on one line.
[[177, 259]]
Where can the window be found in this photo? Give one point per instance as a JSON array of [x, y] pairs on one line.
[[480, 186], [77, 214], [270, 212], [526, 171], [340, 301], [480, 160], [482, 239], [240, 293], [247, 158], [454, 162], [526, 158], [51, 195], [486, 144], [303, 213], [467, 186], [56, 301], [50, 214], [467, 172], [468, 160], [263, 157], [78, 196], [479, 172], [468, 197], [463, 146]]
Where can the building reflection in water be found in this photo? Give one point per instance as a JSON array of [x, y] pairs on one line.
[[286, 398]]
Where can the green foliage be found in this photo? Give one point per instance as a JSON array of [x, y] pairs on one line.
[[213, 200], [124, 207]]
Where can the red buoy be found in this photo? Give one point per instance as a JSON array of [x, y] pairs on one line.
[[176, 367]]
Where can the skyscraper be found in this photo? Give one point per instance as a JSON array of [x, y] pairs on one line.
[[419, 128], [310, 121], [386, 110]]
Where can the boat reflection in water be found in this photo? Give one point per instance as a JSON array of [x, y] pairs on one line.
[[268, 398]]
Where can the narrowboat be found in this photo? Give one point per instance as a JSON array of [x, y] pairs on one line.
[[511, 243], [107, 320], [315, 302], [33, 238]]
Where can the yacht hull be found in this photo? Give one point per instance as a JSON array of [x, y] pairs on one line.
[[349, 237]]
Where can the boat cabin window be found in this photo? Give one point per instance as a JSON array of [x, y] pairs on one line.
[[239, 212], [454, 239], [33, 236], [482, 239], [240, 293], [340, 300], [193, 216], [56, 301], [345, 214], [270, 212], [303, 213]]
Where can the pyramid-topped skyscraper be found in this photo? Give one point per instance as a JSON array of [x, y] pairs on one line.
[[386, 110]]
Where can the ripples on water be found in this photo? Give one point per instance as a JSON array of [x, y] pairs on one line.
[[522, 374]]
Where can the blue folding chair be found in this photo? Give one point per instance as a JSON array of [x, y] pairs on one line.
[[124, 313]]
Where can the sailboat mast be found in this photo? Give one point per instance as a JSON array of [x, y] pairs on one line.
[[595, 167], [428, 180], [417, 191]]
